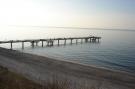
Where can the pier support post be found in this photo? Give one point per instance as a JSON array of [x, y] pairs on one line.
[[11, 45], [86, 40], [81, 41], [47, 43], [90, 40], [58, 42], [22, 45], [52, 43], [93, 39], [42, 43], [32, 44], [98, 39], [76, 41], [71, 41], [36, 43], [65, 42]]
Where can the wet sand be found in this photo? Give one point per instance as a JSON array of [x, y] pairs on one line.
[[41, 69]]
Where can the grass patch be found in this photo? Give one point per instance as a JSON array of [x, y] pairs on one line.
[[10, 80]]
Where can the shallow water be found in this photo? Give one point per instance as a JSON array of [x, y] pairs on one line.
[[116, 49]]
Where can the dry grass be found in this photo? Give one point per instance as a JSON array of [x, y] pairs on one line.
[[10, 80]]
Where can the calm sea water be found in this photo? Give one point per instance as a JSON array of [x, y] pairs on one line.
[[116, 49]]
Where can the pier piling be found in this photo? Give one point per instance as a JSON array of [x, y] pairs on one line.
[[71, 41], [76, 41], [42, 43], [22, 45], [32, 44], [81, 40], [65, 42], [58, 42], [11, 45]]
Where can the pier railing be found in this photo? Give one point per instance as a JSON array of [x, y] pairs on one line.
[[50, 42]]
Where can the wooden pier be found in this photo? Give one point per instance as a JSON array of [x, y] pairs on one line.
[[50, 42]]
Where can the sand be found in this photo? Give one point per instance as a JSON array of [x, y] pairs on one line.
[[41, 69]]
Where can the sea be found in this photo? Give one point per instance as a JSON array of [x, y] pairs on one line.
[[115, 51]]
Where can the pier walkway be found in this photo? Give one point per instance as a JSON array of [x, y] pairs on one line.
[[50, 42]]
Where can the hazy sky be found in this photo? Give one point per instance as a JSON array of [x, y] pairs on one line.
[[69, 13]]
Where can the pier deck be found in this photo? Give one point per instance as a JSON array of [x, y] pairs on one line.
[[50, 42]]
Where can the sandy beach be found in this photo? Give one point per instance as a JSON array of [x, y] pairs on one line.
[[40, 69]]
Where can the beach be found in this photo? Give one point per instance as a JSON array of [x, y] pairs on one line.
[[40, 69]]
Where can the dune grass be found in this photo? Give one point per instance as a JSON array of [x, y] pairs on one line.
[[10, 80]]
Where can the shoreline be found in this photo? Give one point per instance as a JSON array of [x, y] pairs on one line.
[[87, 65], [32, 66]]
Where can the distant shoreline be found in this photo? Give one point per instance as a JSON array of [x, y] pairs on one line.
[[38, 67], [88, 28]]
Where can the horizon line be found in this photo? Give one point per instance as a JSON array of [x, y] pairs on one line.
[[68, 27]]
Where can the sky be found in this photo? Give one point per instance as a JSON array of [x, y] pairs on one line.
[[69, 13]]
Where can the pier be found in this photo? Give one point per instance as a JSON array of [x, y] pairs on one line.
[[50, 42]]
